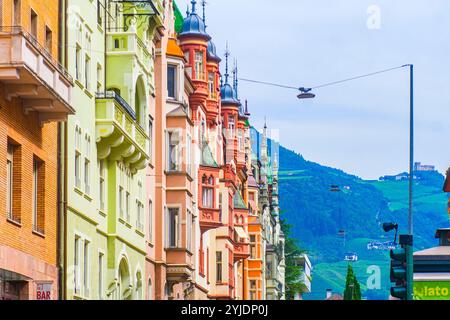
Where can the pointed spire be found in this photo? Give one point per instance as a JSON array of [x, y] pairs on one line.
[[235, 74], [187, 11], [227, 55], [246, 108], [194, 2], [204, 12]]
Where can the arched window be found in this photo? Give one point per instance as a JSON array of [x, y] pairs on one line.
[[124, 281], [140, 102], [138, 286]]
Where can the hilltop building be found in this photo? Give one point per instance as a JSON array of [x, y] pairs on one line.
[[418, 166]]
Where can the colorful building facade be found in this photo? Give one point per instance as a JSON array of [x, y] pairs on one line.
[[110, 52], [36, 95], [147, 181]]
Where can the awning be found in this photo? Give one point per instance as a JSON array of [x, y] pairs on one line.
[[241, 232]]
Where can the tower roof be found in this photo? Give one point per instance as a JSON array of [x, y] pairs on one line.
[[173, 49], [194, 25], [212, 52], [227, 92]]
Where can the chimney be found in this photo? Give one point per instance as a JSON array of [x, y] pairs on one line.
[[329, 293]]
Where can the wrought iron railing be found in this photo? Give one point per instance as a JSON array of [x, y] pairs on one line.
[[114, 95]]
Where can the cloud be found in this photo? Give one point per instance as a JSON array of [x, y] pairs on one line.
[[360, 126]]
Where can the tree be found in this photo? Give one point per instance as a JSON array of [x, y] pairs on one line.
[[293, 273], [352, 288]]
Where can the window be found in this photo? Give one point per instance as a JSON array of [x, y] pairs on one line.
[[102, 185], [33, 24], [189, 154], [76, 264], [219, 266], [99, 13], [100, 275], [99, 77], [127, 206], [173, 155], [86, 273], [207, 197], [240, 141], [48, 39], [87, 72], [38, 196], [150, 220], [199, 72], [220, 206], [121, 201], [139, 209], [253, 290], [231, 125], [253, 247], [77, 169], [171, 81], [87, 187], [138, 286], [189, 226], [211, 85], [16, 13], [173, 227], [78, 62], [10, 181]]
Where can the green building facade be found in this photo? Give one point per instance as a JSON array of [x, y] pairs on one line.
[[110, 53]]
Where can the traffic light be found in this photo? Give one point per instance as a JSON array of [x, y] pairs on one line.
[[400, 269], [398, 273]]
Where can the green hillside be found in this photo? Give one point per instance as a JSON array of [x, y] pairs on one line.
[[318, 215]]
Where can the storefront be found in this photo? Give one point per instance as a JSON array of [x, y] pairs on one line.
[[25, 277], [432, 270], [13, 286]]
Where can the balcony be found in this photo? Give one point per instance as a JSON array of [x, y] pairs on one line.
[[127, 49], [119, 136], [29, 72], [241, 251], [209, 219], [179, 265]]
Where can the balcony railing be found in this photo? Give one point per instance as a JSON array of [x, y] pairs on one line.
[[114, 95], [19, 30], [115, 118]]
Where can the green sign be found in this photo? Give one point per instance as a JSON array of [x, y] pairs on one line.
[[432, 290]]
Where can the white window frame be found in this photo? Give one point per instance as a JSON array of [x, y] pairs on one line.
[[175, 245], [10, 180]]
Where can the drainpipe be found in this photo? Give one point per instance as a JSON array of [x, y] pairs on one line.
[[60, 228]]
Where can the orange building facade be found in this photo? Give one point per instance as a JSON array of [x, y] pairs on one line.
[[35, 94]]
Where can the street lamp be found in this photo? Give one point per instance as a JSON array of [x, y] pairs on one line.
[[305, 93]]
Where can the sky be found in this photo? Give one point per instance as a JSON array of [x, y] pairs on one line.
[[362, 126]]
